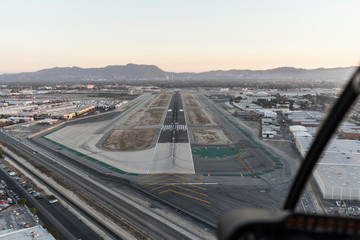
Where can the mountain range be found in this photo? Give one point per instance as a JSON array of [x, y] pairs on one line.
[[134, 72]]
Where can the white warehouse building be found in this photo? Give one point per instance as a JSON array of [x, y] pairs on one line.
[[338, 171]]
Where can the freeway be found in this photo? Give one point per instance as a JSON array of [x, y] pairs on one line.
[[54, 215], [155, 226]]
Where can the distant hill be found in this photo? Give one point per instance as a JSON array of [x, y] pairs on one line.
[[76, 74], [134, 72], [282, 73]]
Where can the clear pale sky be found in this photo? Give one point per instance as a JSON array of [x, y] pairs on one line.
[[196, 35]]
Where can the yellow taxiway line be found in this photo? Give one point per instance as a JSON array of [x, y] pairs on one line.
[[169, 190], [243, 163]]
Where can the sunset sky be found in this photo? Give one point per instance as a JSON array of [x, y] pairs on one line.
[[179, 36]]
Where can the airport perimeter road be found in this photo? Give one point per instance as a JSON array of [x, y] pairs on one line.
[[153, 224]]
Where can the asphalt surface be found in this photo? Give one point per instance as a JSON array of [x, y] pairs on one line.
[[219, 194], [52, 215], [251, 161], [174, 122], [143, 221]]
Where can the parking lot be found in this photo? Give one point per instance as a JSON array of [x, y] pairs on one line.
[[48, 208]]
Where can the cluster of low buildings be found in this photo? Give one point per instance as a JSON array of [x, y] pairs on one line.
[[13, 112], [20, 223], [28, 111], [338, 171]]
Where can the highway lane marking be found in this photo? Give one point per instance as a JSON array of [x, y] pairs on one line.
[[170, 190], [243, 163]]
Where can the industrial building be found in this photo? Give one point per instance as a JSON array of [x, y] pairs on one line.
[[338, 171], [337, 174], [19, 223]]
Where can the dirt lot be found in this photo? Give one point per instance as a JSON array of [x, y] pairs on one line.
[[144, 118], [129, 139], [159, 100], [207, 136], [191, 101], [198, 117]]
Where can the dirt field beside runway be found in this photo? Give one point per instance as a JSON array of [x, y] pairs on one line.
[[145, 117], [191, 101], [129, 139], [159, 100], [209, 136], [198, 117]]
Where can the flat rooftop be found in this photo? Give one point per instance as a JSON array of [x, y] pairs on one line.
[[18, 218], [19, 223], [36, 232]]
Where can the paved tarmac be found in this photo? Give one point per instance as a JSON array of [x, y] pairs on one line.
[[172, 153]]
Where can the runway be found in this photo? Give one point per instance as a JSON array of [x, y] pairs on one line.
[[172, 152]]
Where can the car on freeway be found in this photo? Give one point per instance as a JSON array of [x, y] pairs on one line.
[[51, 201]]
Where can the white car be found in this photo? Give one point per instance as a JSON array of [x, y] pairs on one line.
[[53, 201]]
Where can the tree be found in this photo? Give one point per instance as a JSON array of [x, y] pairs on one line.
[[1, 152], [33, 211], [53, 231], [291, 105], [22, 201]]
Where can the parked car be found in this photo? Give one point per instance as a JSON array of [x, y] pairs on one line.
[[39, 197]]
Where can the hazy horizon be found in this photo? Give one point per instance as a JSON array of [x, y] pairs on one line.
[[179, 36], [178, 71]]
